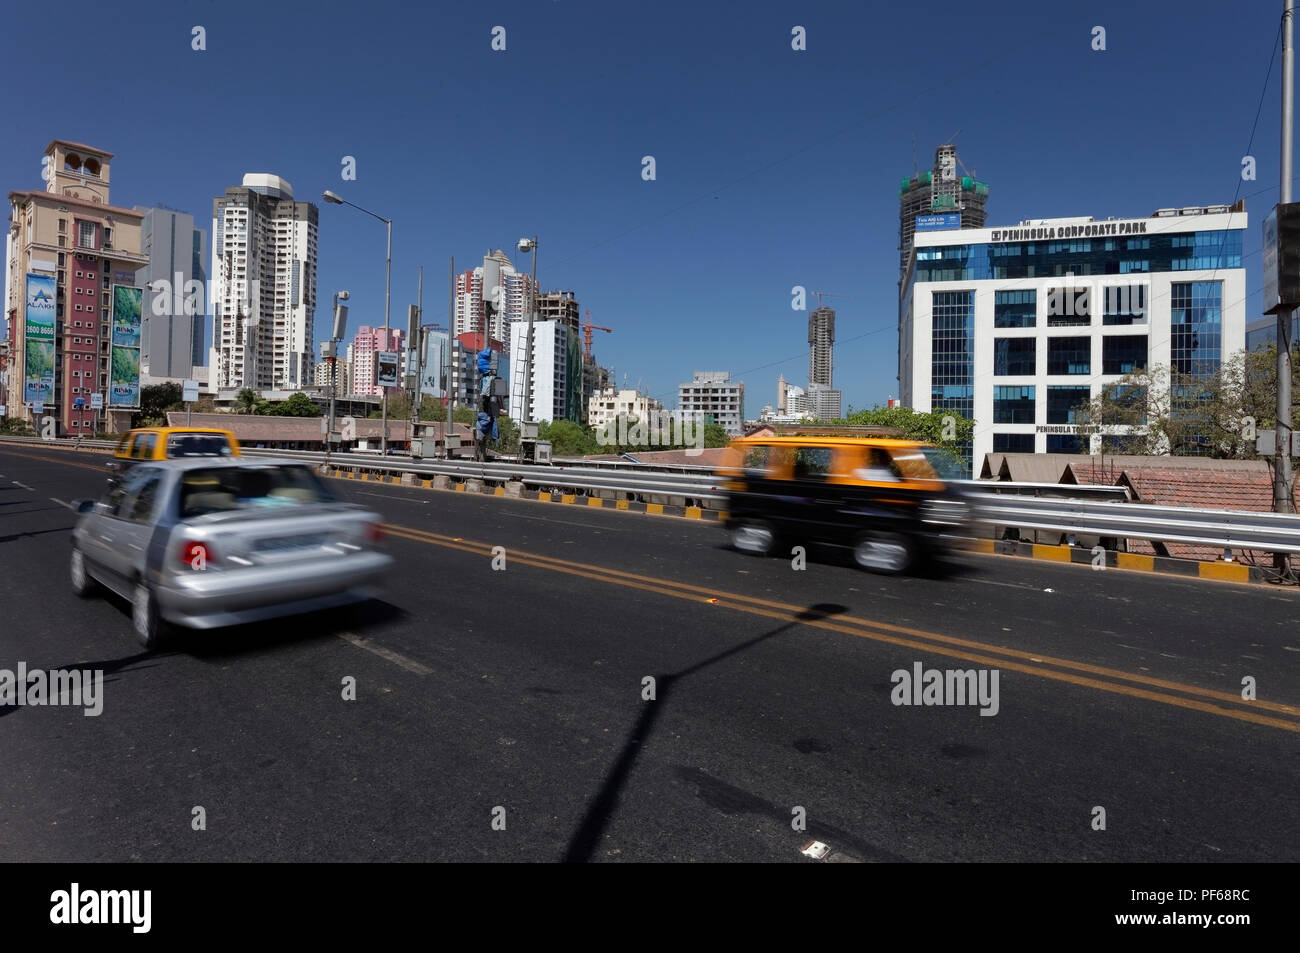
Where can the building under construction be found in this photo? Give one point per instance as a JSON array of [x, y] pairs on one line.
[[821, 342], [941, 198]]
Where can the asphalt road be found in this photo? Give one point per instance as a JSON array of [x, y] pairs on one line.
[[516, 694]]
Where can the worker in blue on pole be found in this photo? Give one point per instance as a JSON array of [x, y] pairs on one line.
[[489, 405]]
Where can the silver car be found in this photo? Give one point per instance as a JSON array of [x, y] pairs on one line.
[[205, 543]]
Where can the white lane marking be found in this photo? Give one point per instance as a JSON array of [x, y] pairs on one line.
[[23, 485], [60, 502], [409, 664]]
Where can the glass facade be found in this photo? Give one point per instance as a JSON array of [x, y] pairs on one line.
[[1062, 401], [952, 361], [1125, 304], [1015, 309], [1123, 353], [1013, 404], [1069, 355], [1013, 356], [1196, 327], [1066, 443], [1013, 443], [1097, 256]]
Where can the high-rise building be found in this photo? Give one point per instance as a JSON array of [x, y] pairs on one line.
[[821, 343], [342, 372], [175, 299], [363, 354], [470, 316], [713, 396], [1019, 327], [558, 306], [66, 250], [938, 199], [556, 371], [263, 277]]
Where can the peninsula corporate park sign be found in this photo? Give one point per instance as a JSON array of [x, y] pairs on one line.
[[1050, 233]]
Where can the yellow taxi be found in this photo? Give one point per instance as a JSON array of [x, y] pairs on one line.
[[170, 443], [885, 499]]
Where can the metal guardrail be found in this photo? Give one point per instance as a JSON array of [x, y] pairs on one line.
[[1225, 529], [1104, 511]]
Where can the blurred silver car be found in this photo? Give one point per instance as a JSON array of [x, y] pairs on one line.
[[205, 543]]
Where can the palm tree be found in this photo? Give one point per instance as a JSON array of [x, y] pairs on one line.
[[246, 401]]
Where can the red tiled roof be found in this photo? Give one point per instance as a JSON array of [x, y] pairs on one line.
[[1192, 482]]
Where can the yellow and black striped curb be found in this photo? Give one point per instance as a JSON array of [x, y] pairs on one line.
[[1137, 562], [545, 496]]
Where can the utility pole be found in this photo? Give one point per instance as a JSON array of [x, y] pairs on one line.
[[451, 339], [1283, 493], [419, 356]]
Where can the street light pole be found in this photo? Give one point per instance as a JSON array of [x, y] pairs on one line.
[[388, 272], [529, 244], [1283, 498]]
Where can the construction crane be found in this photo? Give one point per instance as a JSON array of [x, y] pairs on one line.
[[826, 294], [587, 328]]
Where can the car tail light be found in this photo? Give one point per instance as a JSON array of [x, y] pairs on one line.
[[374, 533], [197, 555]]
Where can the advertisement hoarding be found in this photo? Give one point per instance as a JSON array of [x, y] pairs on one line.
[[938, 223], [38, 357], [386, 373], [124, 359]]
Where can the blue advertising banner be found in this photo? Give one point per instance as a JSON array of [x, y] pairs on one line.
[[38, 358], [938, 223]]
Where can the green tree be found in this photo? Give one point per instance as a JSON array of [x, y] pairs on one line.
[[1160, 411], [15, 427], [298, 405], [246, 401], [155, 401], [569, 439]]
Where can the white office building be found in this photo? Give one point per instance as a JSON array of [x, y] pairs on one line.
[[556, 372], [608, 404], [1017, 327], [714, 397], [263, 278]]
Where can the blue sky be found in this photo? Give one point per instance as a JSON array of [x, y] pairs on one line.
[[775, 168]]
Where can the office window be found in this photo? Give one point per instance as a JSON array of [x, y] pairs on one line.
[[1069, 355], [1123, 354], [1013, 404], [1063, 400], [1015, 309], [1068, 306], [1013, 356], [1013, 443], [1066, 443], [1196, 322], [1125, 304], [86, 234]]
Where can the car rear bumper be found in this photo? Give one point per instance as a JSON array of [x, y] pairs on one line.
[[205, 600]]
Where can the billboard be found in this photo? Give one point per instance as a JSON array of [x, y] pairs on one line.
[[386, 375], [38, 357], [124, 361], [938, 223]]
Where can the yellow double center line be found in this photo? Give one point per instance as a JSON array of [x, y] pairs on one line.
[[1030, 663]]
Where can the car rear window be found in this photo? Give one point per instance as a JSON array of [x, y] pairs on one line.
[[198, 445], [221, 489]]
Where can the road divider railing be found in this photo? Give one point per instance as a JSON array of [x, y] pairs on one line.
[[1085, 511]]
